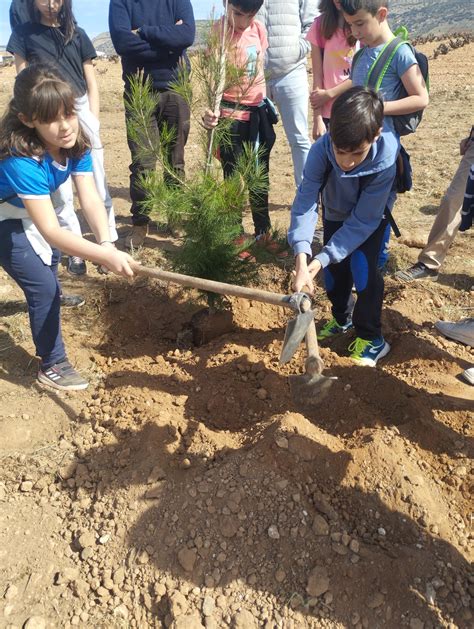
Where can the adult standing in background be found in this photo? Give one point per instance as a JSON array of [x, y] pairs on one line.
[[19, 13], [152, 36], [287, 22]]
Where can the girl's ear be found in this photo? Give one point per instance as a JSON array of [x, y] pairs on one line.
[[24, 120]]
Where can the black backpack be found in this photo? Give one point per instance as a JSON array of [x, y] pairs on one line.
[[403, 123]]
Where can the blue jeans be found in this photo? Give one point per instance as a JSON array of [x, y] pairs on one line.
[[40, 284], [290, 94]]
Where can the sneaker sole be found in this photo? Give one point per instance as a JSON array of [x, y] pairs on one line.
[[332, 336], [371, 362], [81, 303], [468, 376], [74, 387], [407, 278]]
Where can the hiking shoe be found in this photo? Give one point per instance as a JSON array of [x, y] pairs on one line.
[[462, 331], [72, 301], [367, 353], [136, 236], [468, 375], [418, 271], [62, 376], [271, 245], [332, 328], [76, 266]]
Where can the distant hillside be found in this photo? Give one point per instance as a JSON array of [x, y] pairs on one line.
[[421, 17]]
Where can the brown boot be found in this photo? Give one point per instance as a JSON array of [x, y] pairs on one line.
[[136, 237]]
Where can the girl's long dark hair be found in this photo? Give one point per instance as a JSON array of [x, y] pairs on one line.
[[330, 21], [39, 94], [67, 22]]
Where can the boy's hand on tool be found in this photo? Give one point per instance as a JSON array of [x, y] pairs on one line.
[[119, 262], [304, 274], [210, 119]]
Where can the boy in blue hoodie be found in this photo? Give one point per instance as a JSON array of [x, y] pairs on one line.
[[353, 167]]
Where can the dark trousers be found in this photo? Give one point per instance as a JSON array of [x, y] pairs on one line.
[[360, 269], [243, 132], [40, 285], [172, 111]]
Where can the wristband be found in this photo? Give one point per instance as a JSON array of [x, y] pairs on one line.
[[102, 242]]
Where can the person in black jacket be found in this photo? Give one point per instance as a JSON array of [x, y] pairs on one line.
[[19, 13], [152, 36]]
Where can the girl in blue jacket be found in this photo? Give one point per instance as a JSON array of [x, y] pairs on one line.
[[353, 167]]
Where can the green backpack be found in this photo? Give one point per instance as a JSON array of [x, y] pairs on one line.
[[403, 123]]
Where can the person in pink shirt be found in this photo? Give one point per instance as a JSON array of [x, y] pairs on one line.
[[247, 105], [332, 50]]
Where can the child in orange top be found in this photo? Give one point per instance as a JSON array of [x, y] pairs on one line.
[[246, 103]]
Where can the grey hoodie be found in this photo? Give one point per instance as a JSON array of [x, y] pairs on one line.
[[287, 22]]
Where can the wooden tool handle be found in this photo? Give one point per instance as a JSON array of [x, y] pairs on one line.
[[313, 364], [216, 287]]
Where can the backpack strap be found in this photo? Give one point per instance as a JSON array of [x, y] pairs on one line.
[[381, 64]]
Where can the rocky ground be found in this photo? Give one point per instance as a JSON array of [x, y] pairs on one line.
[[187, 488]]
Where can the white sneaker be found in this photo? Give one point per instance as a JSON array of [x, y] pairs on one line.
[[462, 331], [468, 375]]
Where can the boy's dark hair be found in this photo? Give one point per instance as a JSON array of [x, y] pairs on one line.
[[371, 6], [67, 23], [356, 118], [330, 22], [247, 6], [40, 93]]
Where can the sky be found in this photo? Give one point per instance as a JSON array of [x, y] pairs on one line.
[[92, 15]]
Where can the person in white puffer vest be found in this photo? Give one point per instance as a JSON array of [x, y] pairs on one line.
[[287, 22]]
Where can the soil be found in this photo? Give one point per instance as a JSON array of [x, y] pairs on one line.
[[186, 488]]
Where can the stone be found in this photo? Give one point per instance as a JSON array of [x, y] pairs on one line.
[[282, 442], [121, 611], [228, 526], [354, 546], [416, 623], [178, 604], [318, 581], [192, 621], [155, 475], [35, 622], [280, 575], [375, 600], [208, 606], [11, 592], [320, 526], [27, 485], [273, 532], [244, 620], [187, 558], [86, 540]]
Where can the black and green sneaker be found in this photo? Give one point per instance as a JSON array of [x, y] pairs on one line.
[[332, 328]]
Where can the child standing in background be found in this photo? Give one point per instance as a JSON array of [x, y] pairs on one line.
[[52, 36], [332, 49], [247, 106]]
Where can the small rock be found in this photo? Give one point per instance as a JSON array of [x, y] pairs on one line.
[[282, 442], [280, 575], [320, 526], [121, 611], [186, 464], [318, 581], [35, 622], [208, 606], [416, 623], [354, 546], [178, 604], [229, 526], [191, 621], [27, 485], [244, 620], [103, 539], [86, 540], [11, 592], [187, 558], [375, 600], [143, 558], [381, 531], [155, 475], [273, 532]]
